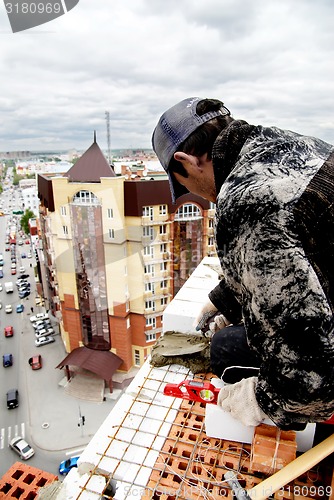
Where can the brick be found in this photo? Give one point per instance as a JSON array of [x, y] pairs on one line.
[[272, 449]]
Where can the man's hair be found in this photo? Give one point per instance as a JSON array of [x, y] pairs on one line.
[[201, 141]]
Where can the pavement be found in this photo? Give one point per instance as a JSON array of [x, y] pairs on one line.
[[54, 405]]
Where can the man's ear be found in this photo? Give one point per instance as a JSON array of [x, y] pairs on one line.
[[183, 158]]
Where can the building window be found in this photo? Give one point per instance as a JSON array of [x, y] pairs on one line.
[[85, 197], [163, 301], [149, 251], [148, 232], [149, 269], [149, 287], [137, 358], [151, 322], [150, 337], [150, 304], [188, 211], [162, 209], [148, 212], [65, 230], [111, 234], [163, 284], [163, 229], [212, 205], [163, 248], [211, 241], [163, 266], [110, 213], [63, 210], [211, 223]]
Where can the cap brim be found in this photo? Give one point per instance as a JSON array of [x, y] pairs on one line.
[[176, 188]]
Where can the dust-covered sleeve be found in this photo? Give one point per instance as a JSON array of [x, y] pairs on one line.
[[225, 301]]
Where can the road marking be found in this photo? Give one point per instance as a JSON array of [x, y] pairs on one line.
[[11, 430], [2, 438], [74, 452]]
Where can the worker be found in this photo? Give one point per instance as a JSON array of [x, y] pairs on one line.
[[272, 313]]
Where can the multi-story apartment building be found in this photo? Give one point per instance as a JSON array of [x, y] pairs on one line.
[[116, 251]]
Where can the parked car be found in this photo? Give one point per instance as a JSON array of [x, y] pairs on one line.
[[22, 269], [23, 255], [42, 326], [29, 255], [13, 270], [1, 273], [19, 308], [0, 288], [44, 332], [7, 360], [21, 447], [24, 294], [67, 465], [8, 308], [9, 331], [21, 281], [35, 362], [43, 341], [39, 316], [24, 276], [12, 399]]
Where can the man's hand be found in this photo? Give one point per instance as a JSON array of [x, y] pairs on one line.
[[240, 401], [219, 322], [205, 316]]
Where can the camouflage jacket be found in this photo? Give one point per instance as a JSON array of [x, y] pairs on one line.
[[275, 241]]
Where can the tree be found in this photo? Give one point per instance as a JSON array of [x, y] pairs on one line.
[[28, 214]]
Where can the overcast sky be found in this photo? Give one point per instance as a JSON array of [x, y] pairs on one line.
[[270, 61]]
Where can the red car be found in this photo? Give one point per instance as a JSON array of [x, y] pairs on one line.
[[9, 331], [35, 362]]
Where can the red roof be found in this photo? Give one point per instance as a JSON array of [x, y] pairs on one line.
[[90, 167], [103, 363]]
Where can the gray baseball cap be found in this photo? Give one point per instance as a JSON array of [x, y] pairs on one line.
[[173, 128]]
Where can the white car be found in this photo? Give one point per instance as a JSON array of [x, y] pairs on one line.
[[0, 288], [43, 341], [40, 325], [22, 269], [38, 317], [8, 308], [21, 447], [44, 333]]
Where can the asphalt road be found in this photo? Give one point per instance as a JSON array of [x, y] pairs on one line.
[[47, 417]]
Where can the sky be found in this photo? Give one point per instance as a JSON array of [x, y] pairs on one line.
[[271, 62]]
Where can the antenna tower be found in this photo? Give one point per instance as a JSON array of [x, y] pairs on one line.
[[107, 114]]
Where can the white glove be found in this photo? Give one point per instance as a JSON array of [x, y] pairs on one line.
[[240, 401], [219, 322], [206, 313]]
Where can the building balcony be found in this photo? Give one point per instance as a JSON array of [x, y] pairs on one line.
[[148, 221]]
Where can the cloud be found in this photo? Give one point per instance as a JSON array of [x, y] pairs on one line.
[[270, 62]]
